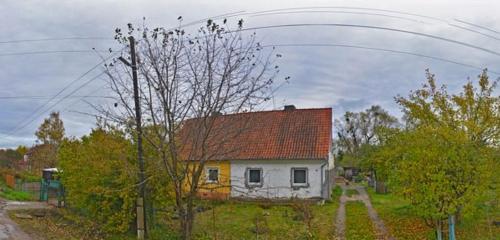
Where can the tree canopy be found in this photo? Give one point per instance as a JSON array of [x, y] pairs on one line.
[[51, 131], [358, 131], [446, 158]]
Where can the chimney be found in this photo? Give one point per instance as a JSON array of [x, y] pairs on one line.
[[289, 107]]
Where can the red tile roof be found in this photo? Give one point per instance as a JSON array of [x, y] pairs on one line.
[[285, 134]]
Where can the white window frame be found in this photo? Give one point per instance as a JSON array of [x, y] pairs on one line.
[[254, 184], [292, 177], [208, 175]]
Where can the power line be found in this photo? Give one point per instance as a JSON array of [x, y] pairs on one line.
[[291, 25], [330, 11], [55, 39], [478, 26], [376, 28], [47, 52], [378, 49], [59, 93], [105, 38], [304, 10], [474, 31], [17, 128], [47, 97], [356, 8], [59, 101]]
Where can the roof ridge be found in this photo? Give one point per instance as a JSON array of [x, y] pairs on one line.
[[280, 110]]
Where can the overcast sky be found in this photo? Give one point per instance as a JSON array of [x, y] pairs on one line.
[[347, 78]]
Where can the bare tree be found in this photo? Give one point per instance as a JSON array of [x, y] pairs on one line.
[[356, 129], [186, 82]]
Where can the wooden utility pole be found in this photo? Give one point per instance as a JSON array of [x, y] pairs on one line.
[[140, 206]]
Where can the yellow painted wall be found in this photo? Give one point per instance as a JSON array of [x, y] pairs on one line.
[[219, 190]]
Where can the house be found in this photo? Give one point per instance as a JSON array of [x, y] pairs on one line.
[[267, 154]]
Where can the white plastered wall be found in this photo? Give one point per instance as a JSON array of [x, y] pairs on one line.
[[277, 178]]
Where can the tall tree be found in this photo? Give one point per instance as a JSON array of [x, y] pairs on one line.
[[183, 76], [50, 134], [475, 110], [355, 130], [8, 157], [51, 131], [445, 160], [98, 176]]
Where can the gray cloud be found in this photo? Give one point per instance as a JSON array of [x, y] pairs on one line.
[[346, 79]]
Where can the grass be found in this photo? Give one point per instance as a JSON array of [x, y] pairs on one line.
[[61, 224], [358, 223], [351, 192], [249, 220], [11, 194], [226, 220], [220, 220], [403, 222], [336, 193], [295, 219]]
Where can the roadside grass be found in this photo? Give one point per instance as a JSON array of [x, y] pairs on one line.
[[403, 222], [358, 223], [351, 192], [11, 194], [61, 224], [478, 225]]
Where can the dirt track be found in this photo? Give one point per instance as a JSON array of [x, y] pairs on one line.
[[9, 230]]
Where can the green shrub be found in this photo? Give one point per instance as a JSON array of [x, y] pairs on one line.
[[336, 193]]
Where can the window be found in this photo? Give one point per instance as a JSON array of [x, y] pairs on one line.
[[299, 177], [212, 174], [254, 177]]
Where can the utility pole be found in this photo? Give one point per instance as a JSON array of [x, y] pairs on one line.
[[140, 206]]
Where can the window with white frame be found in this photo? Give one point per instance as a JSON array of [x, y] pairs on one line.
[[299, 177], [212, 174], [254, 177]]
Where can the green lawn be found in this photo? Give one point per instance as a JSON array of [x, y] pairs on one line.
[[403, 223], [358, 223], [246, 220], [11, 194]]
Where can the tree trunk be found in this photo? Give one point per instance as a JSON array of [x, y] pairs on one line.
[[187, 221], [380, 187], [439, 233]]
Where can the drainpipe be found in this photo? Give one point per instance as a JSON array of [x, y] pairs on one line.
[[323, 176]]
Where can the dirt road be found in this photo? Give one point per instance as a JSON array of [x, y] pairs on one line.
[[9, 230]]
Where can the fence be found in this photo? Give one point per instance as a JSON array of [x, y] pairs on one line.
[[10, 180], [33, 188]]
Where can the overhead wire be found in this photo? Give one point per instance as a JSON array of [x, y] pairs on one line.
[[33, 117], [469, 45], [378, 49], [46, 52], [234, 14]]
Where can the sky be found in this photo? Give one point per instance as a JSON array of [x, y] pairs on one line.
[[343, 66]]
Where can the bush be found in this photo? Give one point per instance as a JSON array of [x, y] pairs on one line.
[[28, 177], [336, 193]]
